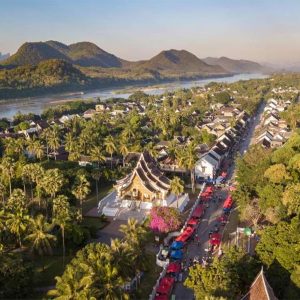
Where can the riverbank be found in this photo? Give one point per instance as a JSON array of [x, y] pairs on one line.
[[9, 107]]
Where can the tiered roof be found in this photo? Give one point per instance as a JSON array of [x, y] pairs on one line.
[[149, 173], [260, 289]]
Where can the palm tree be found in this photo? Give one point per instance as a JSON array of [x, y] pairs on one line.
[[17, 223], [81, 189], [121, 257], [123, 148], [96, 176], [2, 192], [110, 147], [8, 168], [40, 239], [46, 136], [61, 215], [110, 283], [37, 174], [51, 182], [177, 187], [14, 146], [128, 133], [54, 140], [191, 160], [132, 230], [75, 284], [97, 155]]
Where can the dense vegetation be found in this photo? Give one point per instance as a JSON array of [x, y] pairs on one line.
[[268, 195], [51, 66], [47, 76], [43, 199]]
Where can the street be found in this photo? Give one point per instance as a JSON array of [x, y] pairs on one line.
[[214, 211]]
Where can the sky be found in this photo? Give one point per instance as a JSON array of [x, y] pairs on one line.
[[261, 30]]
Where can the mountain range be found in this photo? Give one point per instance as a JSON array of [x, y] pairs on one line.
[[101, 68], [3, 56], [234, 65]]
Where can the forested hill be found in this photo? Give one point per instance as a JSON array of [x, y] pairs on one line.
[[41, 67], [179, 61], [236, 65], [47, 76], [84, 54]]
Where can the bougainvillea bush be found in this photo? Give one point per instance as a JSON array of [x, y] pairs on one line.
[[164, 219]]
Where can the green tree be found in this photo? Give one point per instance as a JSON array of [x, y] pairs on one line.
[[40, 238], [62, 215], [81, 188], [110, 147], [8, 168], [177, 187]]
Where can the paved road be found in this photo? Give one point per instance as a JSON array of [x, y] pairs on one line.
[[215, 210], [193, 249]]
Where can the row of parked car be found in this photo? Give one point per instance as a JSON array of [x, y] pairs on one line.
[[175, 252]]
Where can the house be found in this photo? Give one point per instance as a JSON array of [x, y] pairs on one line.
[[146, 183], [101, 107], [260, 289], [88, 114], [207, 166]]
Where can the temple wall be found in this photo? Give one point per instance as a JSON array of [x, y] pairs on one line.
[[138, 185]]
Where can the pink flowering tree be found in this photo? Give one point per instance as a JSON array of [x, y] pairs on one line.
[[164, 219]]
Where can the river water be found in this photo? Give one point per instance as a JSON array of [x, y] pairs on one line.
[[9, 107]]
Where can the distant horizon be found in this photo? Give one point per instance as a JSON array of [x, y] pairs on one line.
[[264, 31]]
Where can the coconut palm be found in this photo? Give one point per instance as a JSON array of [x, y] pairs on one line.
[[61, 215], [123, 148], [110, 147], [8, 169], [177, 187], [40, 239], [2, 192], [46, 136], [132, 230], [17, 223], [14, 146], [54, 139], [121, 256], [52, 182], [75, 284], [96, 176], [191, 160], [81, 189], [110, 283], [97, 155]]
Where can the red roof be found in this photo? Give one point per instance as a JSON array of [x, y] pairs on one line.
[[228, 202], [198, 212], [215, 236], [165, 285], [208, 189], [192, 221], [174, 268], [215, 239], [161, 297], [185, 234]]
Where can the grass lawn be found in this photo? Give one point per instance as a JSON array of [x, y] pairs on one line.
[[148, 280], [92, 201], [45, 269]]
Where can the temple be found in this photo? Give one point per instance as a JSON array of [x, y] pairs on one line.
[[260, 289], [146, 183]]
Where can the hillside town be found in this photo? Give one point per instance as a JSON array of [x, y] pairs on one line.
[[168, 180]]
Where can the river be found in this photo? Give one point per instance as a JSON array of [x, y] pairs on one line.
[[9, 107]]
